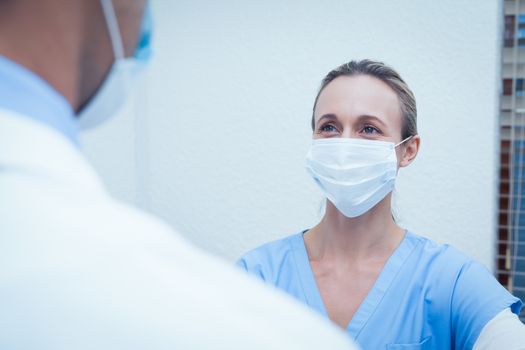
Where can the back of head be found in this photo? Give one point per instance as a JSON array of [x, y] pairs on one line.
[[67, 43]]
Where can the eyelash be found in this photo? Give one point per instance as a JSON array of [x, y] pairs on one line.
[[323, 128], [376, 130]]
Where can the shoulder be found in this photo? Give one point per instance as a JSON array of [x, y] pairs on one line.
[[463, 286], [278, 247], [448, 262], [477, 298], [451, 268], [98, 268], [437, 255], [78, 225], [264, 260]]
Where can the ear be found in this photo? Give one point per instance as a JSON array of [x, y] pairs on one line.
[[409, 151]]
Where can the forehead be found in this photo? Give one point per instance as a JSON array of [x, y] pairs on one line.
[[353, 96]]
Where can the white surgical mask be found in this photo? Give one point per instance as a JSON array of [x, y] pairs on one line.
[[123, 74], [354, 174]]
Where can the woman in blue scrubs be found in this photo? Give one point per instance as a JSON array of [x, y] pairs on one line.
[[387, 287]]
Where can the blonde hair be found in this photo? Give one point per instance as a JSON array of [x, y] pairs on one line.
[[390, 77]]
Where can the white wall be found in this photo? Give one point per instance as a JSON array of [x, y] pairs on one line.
[[225, 116]]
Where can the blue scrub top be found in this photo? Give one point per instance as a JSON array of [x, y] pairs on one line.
[[428, 295]]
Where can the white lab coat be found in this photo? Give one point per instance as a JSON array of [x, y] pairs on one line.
[[80, 270]]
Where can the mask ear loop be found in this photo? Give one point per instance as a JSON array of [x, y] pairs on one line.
[[113, 29], [405, 140]]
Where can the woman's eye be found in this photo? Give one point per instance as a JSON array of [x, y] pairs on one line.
[[368, 129], [328, 128]]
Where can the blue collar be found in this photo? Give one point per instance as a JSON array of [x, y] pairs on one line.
[[25, 93]]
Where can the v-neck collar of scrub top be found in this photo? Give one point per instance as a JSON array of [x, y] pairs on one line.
[[375, 294]]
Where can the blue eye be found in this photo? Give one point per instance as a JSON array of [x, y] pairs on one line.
[[368, 129], [328, 128]]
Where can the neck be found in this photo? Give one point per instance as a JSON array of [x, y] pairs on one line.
[[44, 39], [338, 237]]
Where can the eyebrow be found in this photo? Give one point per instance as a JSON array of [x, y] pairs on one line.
[[372, 117], [331, 116]]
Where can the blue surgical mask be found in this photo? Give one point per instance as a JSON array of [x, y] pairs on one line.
[[123, 74]]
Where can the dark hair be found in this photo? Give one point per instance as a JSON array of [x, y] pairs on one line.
[[389, 76]]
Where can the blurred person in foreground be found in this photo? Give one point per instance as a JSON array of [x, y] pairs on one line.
[[78, 269]]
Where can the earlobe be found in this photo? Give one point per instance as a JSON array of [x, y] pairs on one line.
[[410, 151]]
